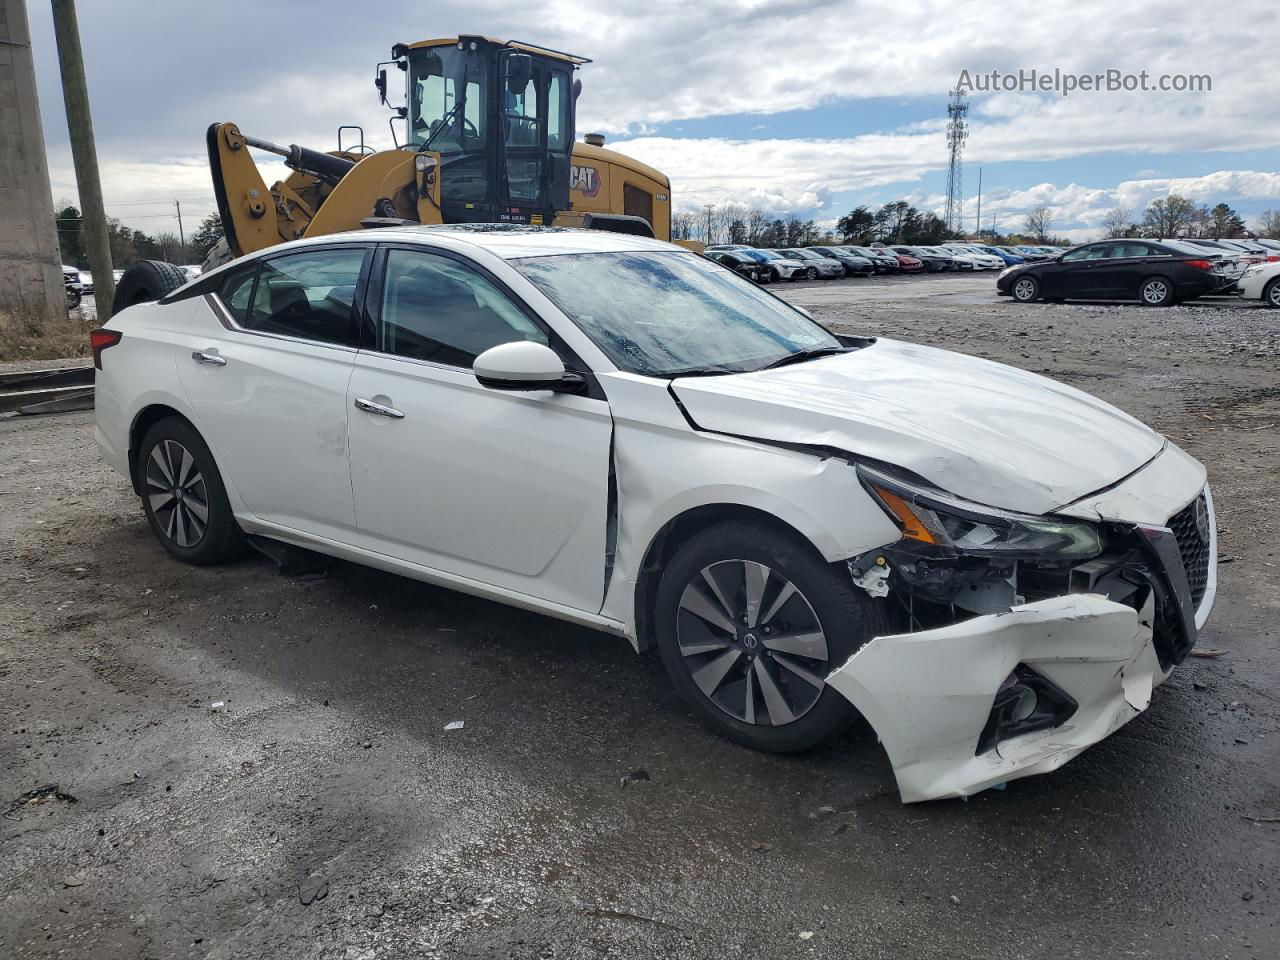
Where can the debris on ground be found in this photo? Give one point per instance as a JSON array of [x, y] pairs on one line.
[[455, 725], [1209, 652], [50, 791], [635, 776], [311, 889]]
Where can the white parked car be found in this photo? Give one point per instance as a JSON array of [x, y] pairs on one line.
[[1261, 282], [780, 267], [616, 432], [981, 259], [815, 264]]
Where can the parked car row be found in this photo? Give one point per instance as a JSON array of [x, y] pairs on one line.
[[848, 260]]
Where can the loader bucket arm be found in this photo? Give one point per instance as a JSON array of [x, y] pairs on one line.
[[244, 202]]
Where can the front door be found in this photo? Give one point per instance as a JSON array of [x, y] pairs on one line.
[[508, 489], [269, 386]]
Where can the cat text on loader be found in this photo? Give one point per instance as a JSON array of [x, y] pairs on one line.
[[489, 138]]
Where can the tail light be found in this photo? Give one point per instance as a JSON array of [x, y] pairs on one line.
[[99, 340], [1199, 264]]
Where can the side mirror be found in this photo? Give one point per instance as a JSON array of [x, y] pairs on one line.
[[380, 81], [522, 365], [519, 70]]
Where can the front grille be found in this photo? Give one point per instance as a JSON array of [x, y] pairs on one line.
[[1193, 547]]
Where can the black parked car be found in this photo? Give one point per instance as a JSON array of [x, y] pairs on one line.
[[855, 264], [934, 262], [882, 259], [1148, 271], [751, 269]]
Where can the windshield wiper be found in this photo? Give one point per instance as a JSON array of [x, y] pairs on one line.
[[802, 356], [699, 372]]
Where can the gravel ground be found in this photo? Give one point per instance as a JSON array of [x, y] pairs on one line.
[[322, 809]]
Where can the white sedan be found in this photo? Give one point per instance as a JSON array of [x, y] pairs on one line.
[[994, 569], [1261, 282]]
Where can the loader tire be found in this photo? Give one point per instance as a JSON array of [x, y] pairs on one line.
[[146, 280]]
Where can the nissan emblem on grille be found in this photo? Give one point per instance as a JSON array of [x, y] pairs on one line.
[[1202, 520]]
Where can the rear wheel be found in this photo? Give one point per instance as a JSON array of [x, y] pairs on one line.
[[1271, 295], [774, 275], [1156, 292], [1026, 289], [145, 281], [749, 623], [183, 495]]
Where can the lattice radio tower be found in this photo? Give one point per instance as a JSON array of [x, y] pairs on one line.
[[957, 134]]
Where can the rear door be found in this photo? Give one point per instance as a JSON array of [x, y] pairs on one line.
[[1126, 264], [508, 489], [269, 386]]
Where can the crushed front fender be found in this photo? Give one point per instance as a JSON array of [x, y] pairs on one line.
[[929, 695]]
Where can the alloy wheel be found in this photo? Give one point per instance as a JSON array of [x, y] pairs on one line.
[[176, 493], [1024, 289], [811, 273], [1273, 293], [1155, 291], [752, 643]]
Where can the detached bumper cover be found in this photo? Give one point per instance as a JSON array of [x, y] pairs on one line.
[[929, 694]]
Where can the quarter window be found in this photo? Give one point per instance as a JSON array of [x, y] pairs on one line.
[[434, 308], [236, 289], [307, 295]]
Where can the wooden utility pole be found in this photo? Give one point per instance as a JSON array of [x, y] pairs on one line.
[[75, 93], [182, 239]]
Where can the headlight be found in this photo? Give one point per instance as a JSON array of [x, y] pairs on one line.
[[1004, 273], [932, 518]]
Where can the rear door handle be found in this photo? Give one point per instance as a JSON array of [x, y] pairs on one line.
[[212, 359], [378, 409]]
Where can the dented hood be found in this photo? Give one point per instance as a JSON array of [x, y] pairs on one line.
[[981, 430]]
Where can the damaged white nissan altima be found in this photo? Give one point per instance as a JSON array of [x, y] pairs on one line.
[[993, 569]]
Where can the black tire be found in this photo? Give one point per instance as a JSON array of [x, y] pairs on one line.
[[176, 522], [73, 299], [774, 275], [811, 273], [145, 281], [1025, 289], [1271, 293], [1156, 292], [846, 616]]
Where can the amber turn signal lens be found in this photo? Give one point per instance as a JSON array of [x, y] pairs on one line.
[[912, 527]]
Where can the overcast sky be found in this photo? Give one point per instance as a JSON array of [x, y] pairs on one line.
[[800, 106]]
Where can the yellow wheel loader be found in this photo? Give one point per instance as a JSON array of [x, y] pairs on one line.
[[489, 137]]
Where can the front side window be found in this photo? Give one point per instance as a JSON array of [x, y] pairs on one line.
[[672, 314], [435, 308], [447, 99], [307, 294], [1097, 251]]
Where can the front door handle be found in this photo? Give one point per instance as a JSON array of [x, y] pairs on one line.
[[378, 409], [212, 359]]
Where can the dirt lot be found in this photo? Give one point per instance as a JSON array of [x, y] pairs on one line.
[[325, 811]]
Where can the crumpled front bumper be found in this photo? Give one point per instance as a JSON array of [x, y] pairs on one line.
[[929, 694]]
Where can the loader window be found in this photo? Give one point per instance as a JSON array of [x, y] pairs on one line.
[[557, 113], [447, 100]]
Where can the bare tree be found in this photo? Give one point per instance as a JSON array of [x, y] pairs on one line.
[[757, 220], [1168, 216], [683, 226], [1117, 222], [1269, 225], [1039, 220]]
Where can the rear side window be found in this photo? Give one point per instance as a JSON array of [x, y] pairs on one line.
[[307, 295]]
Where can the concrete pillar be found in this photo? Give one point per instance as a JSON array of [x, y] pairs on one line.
[[30, 265]]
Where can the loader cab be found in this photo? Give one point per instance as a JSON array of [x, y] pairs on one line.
[[501, 117]]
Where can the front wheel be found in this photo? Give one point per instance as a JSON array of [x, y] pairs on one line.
[[1271, 295], [774, 275], [811, 273], [1026, 289], [749, 622], [1156, 292]]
